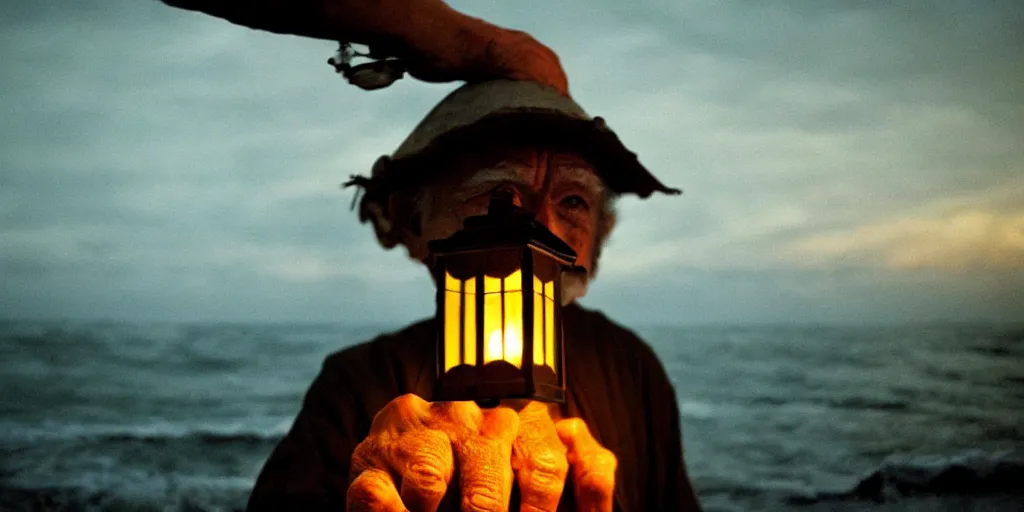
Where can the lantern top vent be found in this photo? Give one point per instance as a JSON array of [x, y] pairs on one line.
[[505, 225]]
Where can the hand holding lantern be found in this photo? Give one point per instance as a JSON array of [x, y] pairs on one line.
[[408, 460]]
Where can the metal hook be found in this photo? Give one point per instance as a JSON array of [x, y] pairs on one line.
[[342, 59], [369, 76]]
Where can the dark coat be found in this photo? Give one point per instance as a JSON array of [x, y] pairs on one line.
[[616, 385]]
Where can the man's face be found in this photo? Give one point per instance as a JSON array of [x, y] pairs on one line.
[[560, 187]]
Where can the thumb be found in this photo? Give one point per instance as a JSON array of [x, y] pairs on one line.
[[593, 466]]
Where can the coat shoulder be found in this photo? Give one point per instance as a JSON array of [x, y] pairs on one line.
[[399, 343], [614, 335]]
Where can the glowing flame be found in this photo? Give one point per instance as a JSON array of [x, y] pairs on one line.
[[512, 351]]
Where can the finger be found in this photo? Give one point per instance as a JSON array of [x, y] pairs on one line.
[[539, 460], [484, 51], [370, 454], [373, 491], [400, 413], [522, 57], [426, 466], [485, 462], [499, 423], [459, 419], [593, 466]]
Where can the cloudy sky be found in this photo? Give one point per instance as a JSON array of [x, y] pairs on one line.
[[842, 162]]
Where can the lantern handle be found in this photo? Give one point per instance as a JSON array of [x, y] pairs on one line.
[[376, 74], [502, 201]]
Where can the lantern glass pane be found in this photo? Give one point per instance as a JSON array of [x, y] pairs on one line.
[[514, 282], [452, 326], [514, 328], [492, 284], [450, 282], [493, 347], [549, 332], [539, 343], [469, 332], [495, 263], [544, 316]]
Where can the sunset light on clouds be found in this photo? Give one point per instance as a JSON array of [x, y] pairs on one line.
[[960, 241]]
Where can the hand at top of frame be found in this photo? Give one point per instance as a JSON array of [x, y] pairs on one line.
[[437, 43]]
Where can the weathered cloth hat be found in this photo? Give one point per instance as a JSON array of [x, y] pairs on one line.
[[512, 112]]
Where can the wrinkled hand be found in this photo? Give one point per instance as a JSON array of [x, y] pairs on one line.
[[437, 43], [412, 451], [478, 51]]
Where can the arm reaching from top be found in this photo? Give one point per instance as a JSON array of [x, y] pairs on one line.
[[437, 43]]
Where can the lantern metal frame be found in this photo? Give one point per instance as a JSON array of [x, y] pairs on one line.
[[505, 240]]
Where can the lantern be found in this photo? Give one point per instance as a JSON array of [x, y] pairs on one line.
[[498, 308]]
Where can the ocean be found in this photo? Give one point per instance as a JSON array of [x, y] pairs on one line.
[[165, 417]]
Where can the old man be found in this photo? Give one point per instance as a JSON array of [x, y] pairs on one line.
[[366, 438]]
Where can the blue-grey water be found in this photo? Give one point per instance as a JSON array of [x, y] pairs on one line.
[[116, 416]]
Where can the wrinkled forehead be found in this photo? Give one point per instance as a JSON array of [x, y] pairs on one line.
[[534, 167]]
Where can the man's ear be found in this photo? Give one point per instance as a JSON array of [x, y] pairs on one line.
[[378, 207], [384, 225], [397, 222]]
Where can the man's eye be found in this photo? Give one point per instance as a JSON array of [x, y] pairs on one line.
[[575, 203]]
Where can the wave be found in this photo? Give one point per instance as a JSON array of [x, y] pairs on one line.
[[861, 403], [251, 431], [189, 499], [969, 473], [198, 436]]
